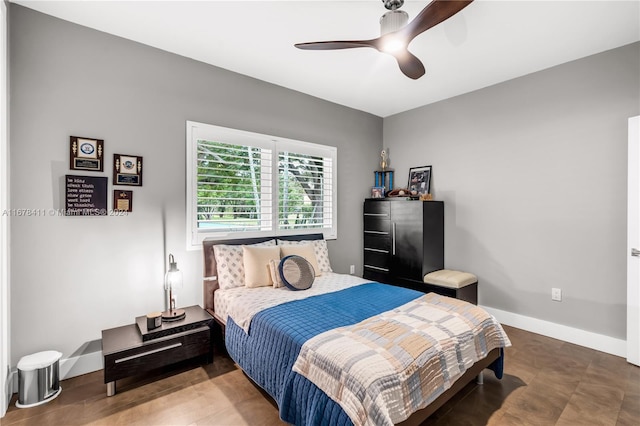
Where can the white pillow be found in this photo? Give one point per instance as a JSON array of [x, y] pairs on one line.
[[303, 250], [256, 265], [320, 250], [230, 265]]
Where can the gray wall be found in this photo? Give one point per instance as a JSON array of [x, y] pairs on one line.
[[74, 276], [533, 175]]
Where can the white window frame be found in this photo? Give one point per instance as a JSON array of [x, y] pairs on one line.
[[198, 131]]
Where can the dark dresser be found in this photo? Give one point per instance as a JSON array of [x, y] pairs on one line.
[[403, 240]]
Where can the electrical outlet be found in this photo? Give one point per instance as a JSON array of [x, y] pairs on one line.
[[556, 294], [352, 269]]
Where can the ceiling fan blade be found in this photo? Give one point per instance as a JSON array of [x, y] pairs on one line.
[[335, 45], [434, 13], [409, 64]]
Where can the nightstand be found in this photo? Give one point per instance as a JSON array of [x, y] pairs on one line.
[[127, 354]]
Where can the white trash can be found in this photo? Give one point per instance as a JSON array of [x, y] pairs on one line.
[[38, 378]]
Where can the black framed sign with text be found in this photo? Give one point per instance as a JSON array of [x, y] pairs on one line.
[[85, 196]]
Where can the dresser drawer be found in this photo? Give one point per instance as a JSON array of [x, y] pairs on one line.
[[380, 209], [376, 258], [374, 275], [376, 226], [377, 242], [157, 353]]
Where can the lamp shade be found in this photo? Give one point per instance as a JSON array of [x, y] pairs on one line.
[[173, 277]]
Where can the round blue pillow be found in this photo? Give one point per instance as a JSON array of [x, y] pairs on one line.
[[296, 272]]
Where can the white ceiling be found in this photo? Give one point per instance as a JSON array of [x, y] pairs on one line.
[[488, 42]]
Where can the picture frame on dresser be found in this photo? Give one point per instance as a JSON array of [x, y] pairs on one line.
[[419, 180], [377, 192]]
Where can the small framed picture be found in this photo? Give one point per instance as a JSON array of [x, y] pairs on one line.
[[127, 170], [377, 192], [86, 154], [419, 181]]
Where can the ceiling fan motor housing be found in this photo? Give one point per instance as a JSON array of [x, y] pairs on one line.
[[393, 4], [393, 21]]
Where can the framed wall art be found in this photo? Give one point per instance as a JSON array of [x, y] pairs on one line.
[[127, 170], [419, 181], [86, 154], [85, 195], [123, 200]]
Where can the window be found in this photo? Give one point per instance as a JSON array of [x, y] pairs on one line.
[[242, 184]]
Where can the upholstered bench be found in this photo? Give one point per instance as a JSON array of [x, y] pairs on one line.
[[461, 285]]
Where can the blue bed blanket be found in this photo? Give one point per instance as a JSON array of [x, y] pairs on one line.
[[276, 335]]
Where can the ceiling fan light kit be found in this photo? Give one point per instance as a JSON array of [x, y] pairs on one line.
[[392, 21], [396, 33]]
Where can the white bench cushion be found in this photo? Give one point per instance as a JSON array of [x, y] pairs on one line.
[[450, 279]]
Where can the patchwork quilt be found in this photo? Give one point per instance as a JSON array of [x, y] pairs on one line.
[[269, 349], [383, 369]]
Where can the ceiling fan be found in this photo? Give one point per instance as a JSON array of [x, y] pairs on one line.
[[397, 33]]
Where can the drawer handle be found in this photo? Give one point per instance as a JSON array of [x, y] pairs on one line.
[[376, 250], [376, 214], [376, 232], [393, 240], [376, 267], [140, 355]]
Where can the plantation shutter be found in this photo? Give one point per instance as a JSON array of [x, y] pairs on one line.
[[305, 191], [242, 185], [234, 187]]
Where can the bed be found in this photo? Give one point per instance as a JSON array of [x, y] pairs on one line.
[[279, 338]]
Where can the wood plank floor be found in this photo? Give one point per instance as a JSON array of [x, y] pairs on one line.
[[546, 382]]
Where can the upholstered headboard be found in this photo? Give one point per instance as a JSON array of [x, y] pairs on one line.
[[210, 277]]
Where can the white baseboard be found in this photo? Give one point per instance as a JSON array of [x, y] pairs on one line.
[[70, 367], [588, 339]]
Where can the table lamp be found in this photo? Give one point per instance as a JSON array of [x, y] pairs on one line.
[[172, 280]]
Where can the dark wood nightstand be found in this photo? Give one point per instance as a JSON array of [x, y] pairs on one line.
[[127, 354]]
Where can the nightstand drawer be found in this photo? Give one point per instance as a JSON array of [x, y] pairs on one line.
[[157, 353]]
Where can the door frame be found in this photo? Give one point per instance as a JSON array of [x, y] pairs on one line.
[[633, 241], [6, 387]]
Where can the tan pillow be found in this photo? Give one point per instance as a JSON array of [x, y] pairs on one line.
[[275, 273], [256, 265], [302, 250], [320, 248]]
